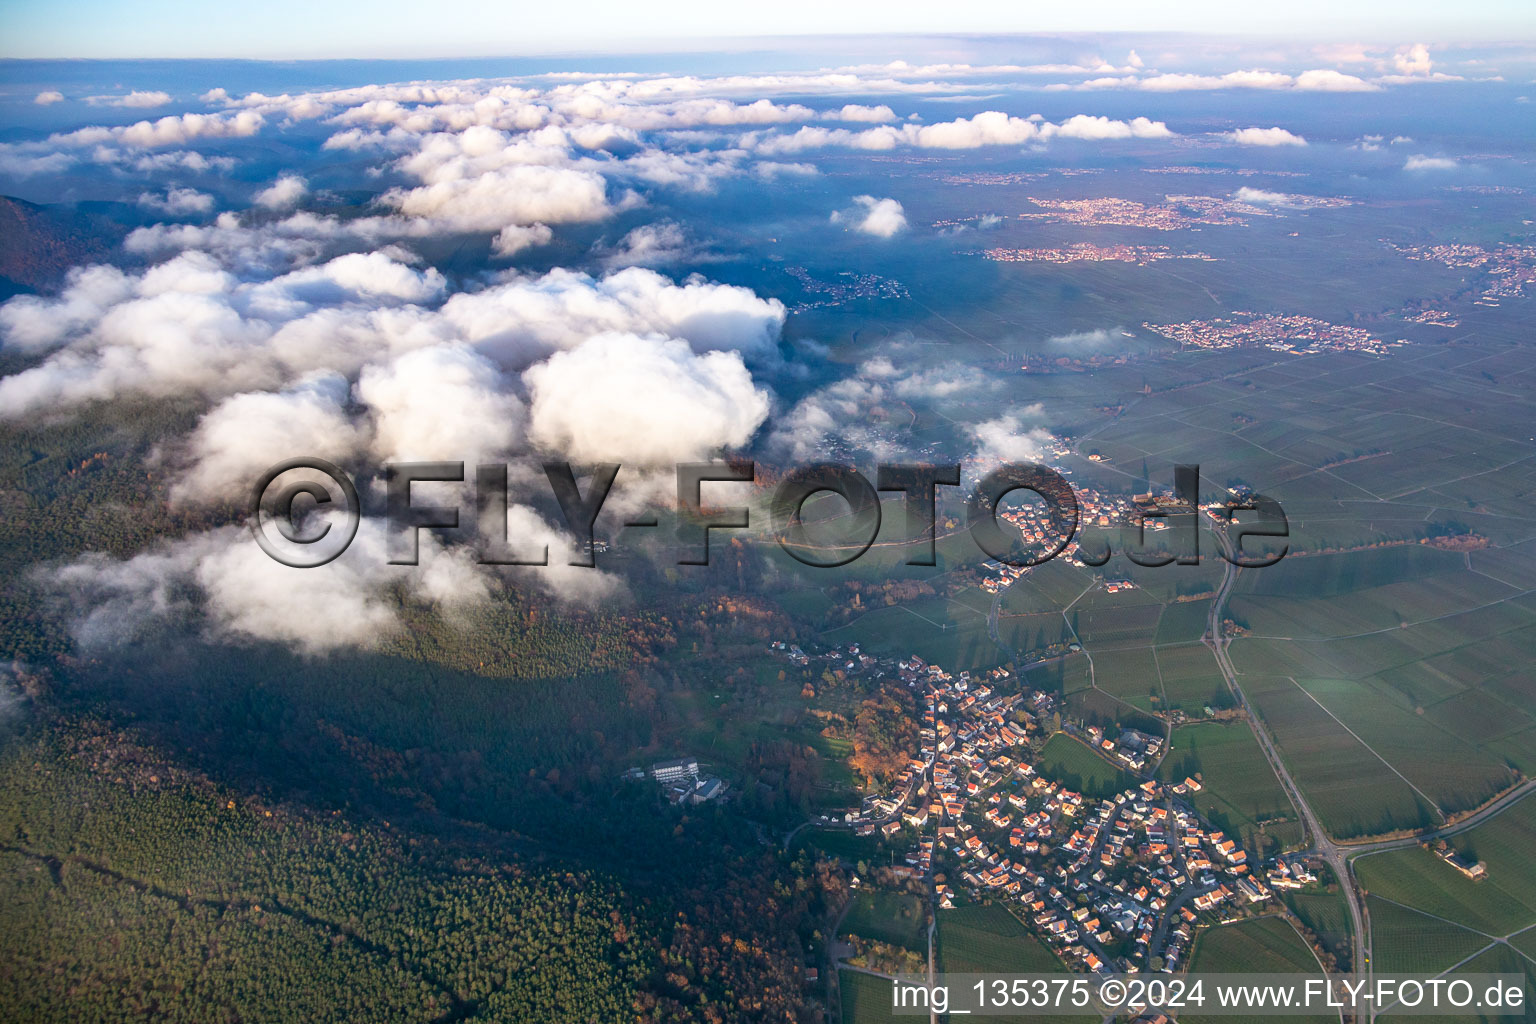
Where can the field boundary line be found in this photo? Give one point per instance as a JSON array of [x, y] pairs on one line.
[[1372, 749], [1445, 920]]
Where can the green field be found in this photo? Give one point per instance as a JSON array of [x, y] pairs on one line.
[[1265, 945], [1413, 601], [985, 938], [1033, 632], [840, 842], [1239, 788], [1466, 915], [1328, 917], [943, 632], [1525, 942], [1131, 675], [1417, 878], [866, 999], [895, 918], [1502, 902], [1183, 621], [1123, 620], [1454, 774], [1046, 588], [1070, 762], [1408, 942], [1190, 678], [1499, 960], [1416, 655], [1353, 792], [1336, 575]]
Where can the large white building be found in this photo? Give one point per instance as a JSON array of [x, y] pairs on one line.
[[675, 770]]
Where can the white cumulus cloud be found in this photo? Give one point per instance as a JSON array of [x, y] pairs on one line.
[[1265, 137], [871, 216], [1011, 437], [287, 191], [645, 400], [178, 202], [1327, 80], [138, 99], [446, 402], [1413, 60], [243, 435]]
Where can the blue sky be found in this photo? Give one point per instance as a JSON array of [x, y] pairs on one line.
[[392, 28]]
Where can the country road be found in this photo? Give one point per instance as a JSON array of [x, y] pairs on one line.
[[1496, 806], [1336, 855], [992, 626], [933, 924], [1340, 856]]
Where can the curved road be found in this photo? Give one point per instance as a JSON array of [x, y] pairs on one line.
[[994, 632], [1495, 806]]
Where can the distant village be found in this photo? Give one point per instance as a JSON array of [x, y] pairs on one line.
[[1511, 268], [849, 286], [1244, 172], [1434, 318], [1087, 252], [1112, 212], [1177, 212], [1095, 509], [1299, 335]]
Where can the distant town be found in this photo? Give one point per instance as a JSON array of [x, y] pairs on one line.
[[992, 177], [1085, 252], [1246, 172], [1434, 318], [846, 288], [1510, 268], [1277, 332], [1176, 212]]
